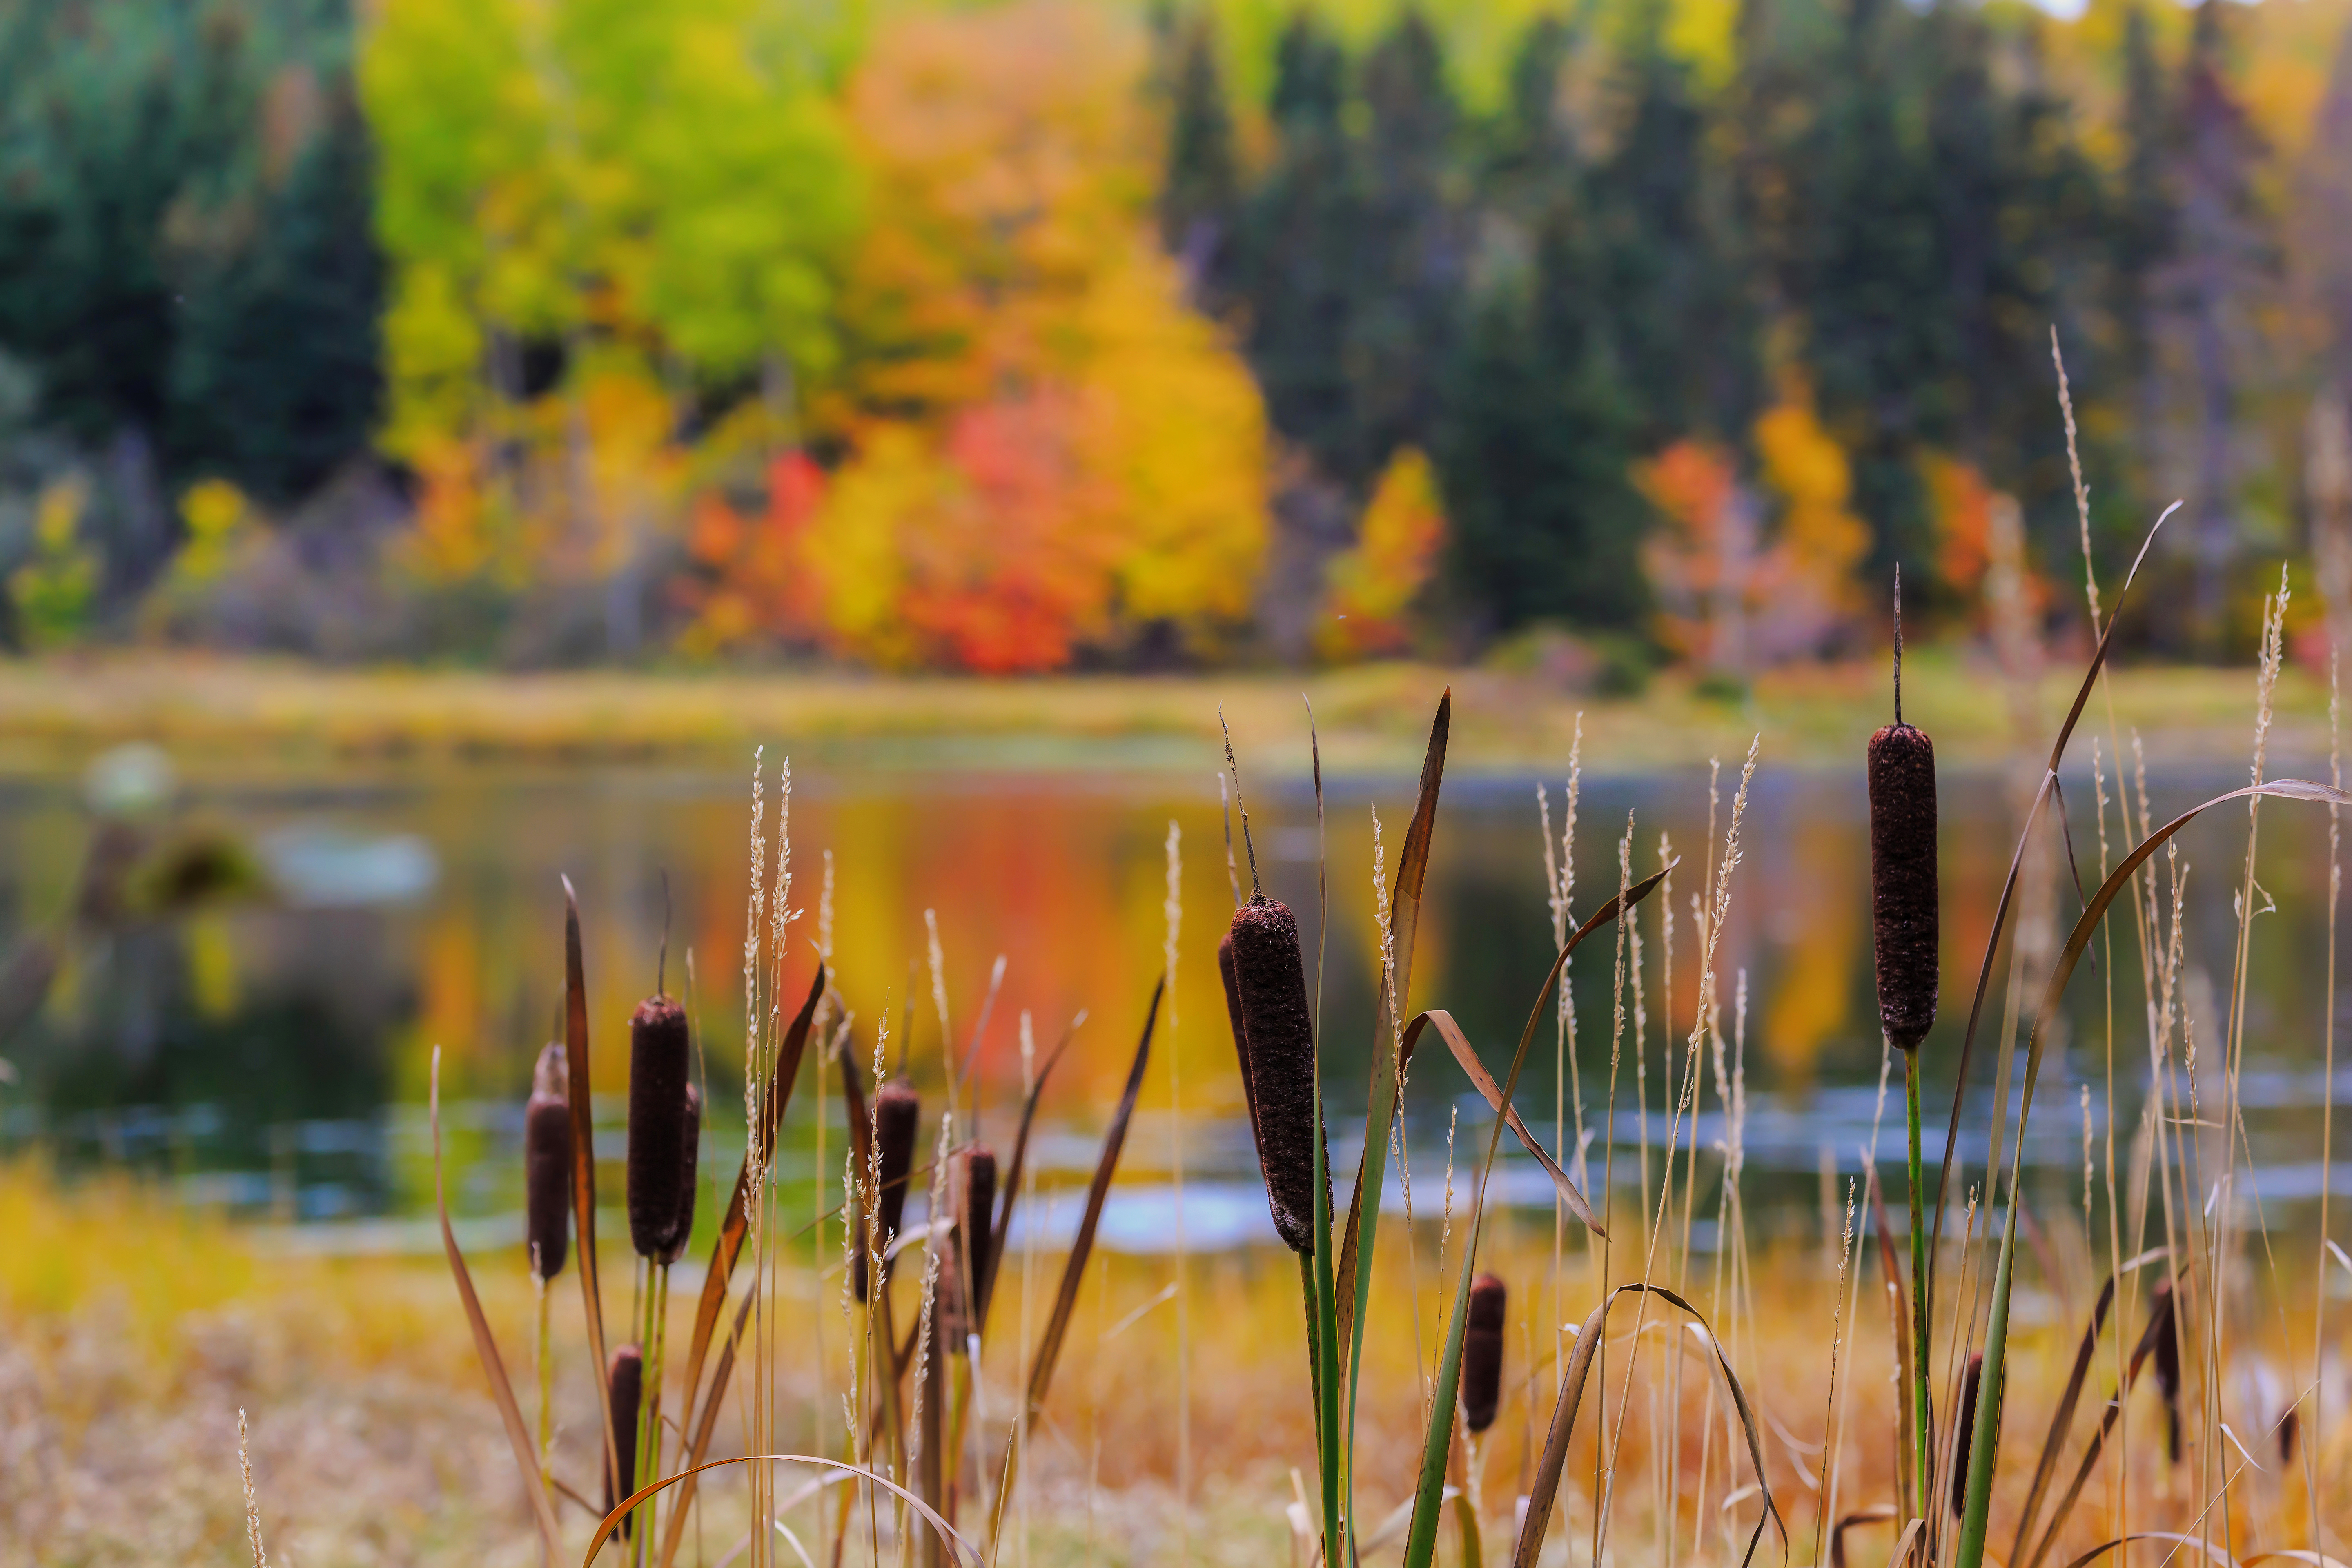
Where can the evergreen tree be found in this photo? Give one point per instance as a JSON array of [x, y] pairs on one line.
[[1202, 185], [2327, 208]]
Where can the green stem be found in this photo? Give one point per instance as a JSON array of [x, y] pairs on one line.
[[1922, 1419], [1977, 1508], [649, 1407], [1326, 1353]]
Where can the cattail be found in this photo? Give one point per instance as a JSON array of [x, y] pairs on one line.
[[2162, 1329], [1482, 1355], [658, 1085], [897, 1115], [1902, 770], [955, 1319], [1272, 984], [1240, 1037], [1965, 1434], [2289, 1426], [682, 1228], [547, 1164], [627, 1378], [975, 1214]]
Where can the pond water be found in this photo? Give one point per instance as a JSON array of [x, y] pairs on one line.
[[269, 1052]]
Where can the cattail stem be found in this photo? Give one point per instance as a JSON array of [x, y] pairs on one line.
[[545, 1365], [1922, 1414]]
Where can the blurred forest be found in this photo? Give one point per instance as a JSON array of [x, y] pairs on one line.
[[1033, 335]]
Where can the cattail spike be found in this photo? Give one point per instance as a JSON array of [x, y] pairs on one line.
[[682, 1228], [547, 1164], [658, 1079], [1482, 1354], [2163, 1328], [1902, 897], [975, 1214], [1965, 1434], [626, 1377], [897, 1115], [1270, 978]]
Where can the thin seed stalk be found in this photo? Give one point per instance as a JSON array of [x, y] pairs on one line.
[[1922, 1464]]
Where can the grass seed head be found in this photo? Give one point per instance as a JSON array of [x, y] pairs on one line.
[[682, 1228], [1482, 1354], [547, 1166], [1902, 769], [1271, 979], [626, 1374], [659, 1073]]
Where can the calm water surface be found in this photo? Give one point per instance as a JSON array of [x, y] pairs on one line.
[[270, 1055]]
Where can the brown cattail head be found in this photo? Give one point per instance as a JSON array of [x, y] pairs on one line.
[[682, 1228], [1965, 1434], [658, 1076], [1241, 1036], [626, 1377], [897, 1116], [1271, 980], [1903, 906], [1482, 1355], [2289, 1425], [547, 1166], [954, 1305], [974, 1201], [2163, 1331]]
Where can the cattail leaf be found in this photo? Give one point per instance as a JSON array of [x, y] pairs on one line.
[[724, 1251], [1549, 1469], [1970, 1551], [961, 1548], [1073, 1268], [486, 1346], [1421, 1540], [2009, 894], [2060, 1419], [583, 1160], [1467, 1055]]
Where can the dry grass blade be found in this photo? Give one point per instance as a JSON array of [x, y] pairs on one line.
[[1903, 1542], [2060, 1419], [1013, 1170], [584, 1165], [1074, 1269], [501, 1391], [1388, 1066], [1549, 1469], [1891, 1262], [2009, 892], [2158, 1325], [1467, 1055], [1885, 1513], [2096, 1553], [961, 1548], [1421, 1540]]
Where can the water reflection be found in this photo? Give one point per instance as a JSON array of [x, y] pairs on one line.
[[269, 1052]]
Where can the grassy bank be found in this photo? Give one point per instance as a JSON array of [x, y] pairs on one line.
[[238, 713]]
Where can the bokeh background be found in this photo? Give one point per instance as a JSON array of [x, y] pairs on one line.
[[1034, 336]]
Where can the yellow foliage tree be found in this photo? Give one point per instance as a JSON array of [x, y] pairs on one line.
[[1369, 587]]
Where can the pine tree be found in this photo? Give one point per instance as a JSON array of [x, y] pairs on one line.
[[1202, 185]]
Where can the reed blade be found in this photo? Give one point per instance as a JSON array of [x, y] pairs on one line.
[[2220, 1556], [2009, 893], [1467, 1055], [1074, 1269], [1549, 1469], [1381, 1108], [583, 1169], [1012, 1174], [1987, 1437], [542, 1512], [2061, 1420], [1421, 1539]]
